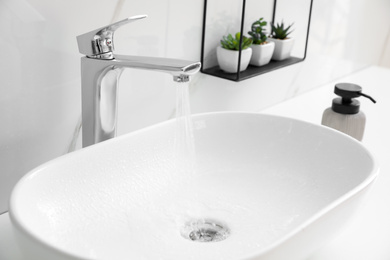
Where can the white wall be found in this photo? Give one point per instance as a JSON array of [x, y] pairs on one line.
[[40, 81]]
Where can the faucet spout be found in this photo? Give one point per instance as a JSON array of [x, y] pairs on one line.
[[174, 67], [99, 79]]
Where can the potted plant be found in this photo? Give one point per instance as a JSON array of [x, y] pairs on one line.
[[283, 44], [262, 50], [227, 53]]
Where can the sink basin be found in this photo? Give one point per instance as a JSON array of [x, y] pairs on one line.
[[270, 187]]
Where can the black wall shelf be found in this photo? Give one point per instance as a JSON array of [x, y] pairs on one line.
[[251, 71]]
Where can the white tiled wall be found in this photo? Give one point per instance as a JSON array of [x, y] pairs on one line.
[[40, 81]]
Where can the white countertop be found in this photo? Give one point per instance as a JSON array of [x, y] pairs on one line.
[[368, 235]]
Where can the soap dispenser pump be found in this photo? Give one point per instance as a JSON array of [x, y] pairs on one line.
[[345, 114]]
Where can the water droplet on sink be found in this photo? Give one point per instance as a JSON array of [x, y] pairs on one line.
[[205, 230]]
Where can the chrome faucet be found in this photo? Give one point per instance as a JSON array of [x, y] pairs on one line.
[[100, 72]]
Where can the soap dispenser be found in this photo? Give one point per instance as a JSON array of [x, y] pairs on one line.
[[344, 115]]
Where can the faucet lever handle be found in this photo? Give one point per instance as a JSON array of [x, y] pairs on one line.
[[99, 42]]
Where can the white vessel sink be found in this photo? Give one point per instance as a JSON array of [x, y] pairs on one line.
[[279, 187]]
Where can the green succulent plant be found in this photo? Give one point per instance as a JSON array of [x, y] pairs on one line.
[[233, 43], [258, 32], [279, 32]]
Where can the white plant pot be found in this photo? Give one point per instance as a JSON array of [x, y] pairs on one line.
[[262, 53], [282, 48], [228, 59]]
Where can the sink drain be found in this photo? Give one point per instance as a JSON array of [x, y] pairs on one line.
[[205, 230]]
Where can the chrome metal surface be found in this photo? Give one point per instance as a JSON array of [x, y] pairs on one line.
[[98, 42], [100, 73]]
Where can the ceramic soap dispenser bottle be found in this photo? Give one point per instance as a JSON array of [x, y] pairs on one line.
[[345, 114]]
